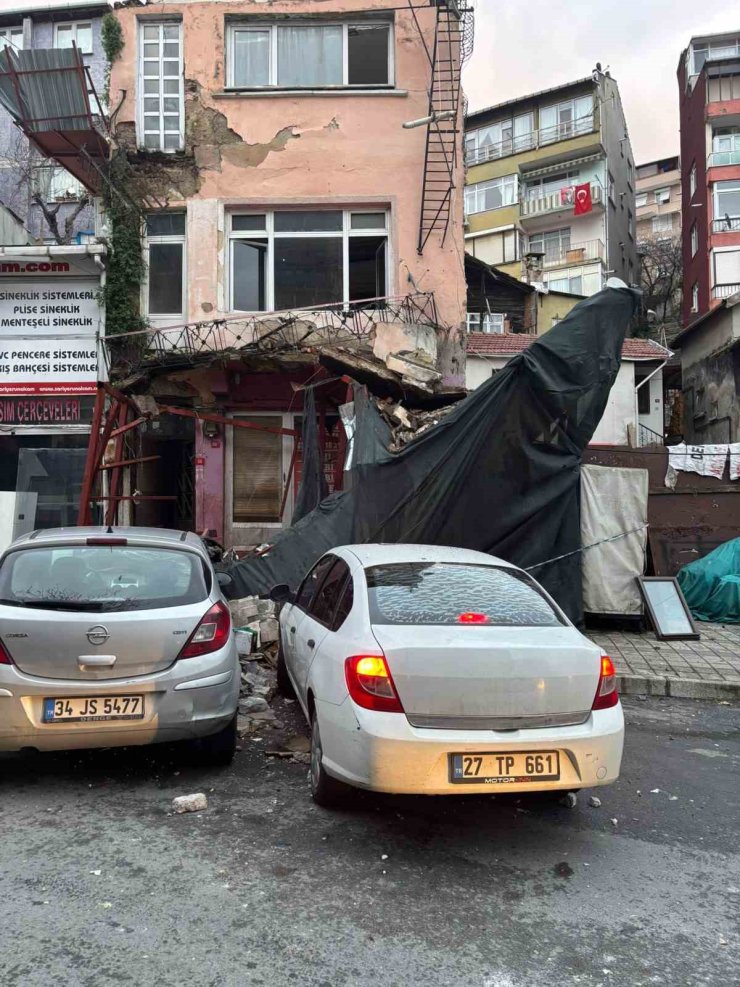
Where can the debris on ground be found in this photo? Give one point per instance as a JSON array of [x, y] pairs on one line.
[[594, 802], [569, 800], [190, 803]]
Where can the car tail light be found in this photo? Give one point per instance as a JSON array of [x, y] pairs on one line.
[[370, 684], [211, 633], [107, 541], [606, 694], [5, 658]]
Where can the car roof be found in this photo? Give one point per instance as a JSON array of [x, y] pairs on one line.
[[379, 554], [164, 537]]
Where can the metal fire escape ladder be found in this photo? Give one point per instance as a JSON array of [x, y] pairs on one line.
[[440, 156]]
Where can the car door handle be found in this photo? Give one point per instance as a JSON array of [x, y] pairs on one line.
[[311, 643], [96, 661], [292, 630]]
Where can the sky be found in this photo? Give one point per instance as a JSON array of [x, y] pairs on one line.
[[524, 47]]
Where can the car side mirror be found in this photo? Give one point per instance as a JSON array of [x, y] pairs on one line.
[[224, 579], [282, 593]]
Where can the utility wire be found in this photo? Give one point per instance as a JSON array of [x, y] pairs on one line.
[[585, 548]]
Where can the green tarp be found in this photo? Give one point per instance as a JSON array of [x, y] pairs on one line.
[[712, 585]]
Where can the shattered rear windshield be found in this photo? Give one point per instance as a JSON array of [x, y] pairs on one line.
[[450, 593]]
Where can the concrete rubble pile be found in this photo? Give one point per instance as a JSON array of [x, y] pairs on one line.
[[405, 424], [256, 628]]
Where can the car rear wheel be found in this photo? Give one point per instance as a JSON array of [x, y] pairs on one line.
[[325, 790], [218, 749], [285, 686]]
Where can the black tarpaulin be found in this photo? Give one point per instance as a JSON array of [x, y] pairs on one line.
[[313, 488], [499, 474]]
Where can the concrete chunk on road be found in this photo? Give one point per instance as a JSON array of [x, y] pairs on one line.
[[190, 803]]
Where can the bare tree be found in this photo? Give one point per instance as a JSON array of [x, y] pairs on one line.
[[27, 188], [661, 278]]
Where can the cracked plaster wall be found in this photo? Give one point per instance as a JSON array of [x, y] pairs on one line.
[[295, 150]]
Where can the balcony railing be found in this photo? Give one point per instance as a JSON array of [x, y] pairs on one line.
[[728, 224], [540, 205], [576, 253], [718, 158], [724, 290], [530, 141]]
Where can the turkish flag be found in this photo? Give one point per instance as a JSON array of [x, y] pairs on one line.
[[582, 196]]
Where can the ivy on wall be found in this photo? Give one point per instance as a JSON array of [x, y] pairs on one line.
[[111, 38]]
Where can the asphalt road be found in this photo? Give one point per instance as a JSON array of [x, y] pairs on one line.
[[100, 883]]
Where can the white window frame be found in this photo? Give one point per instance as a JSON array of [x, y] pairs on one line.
[[695, 297], [45, 186], [493, 323], [544, 185], [180, 95], [563, 237], [75, 25], [565, 129], [662, 196], [641, 200], [723, 250], [273, 28], [716, 211], [181, 238], [270, 235], [10, 36], [694, 240], [662, 222], [692, 180], [477, 191]]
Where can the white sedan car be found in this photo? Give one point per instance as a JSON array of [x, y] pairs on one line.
[[438, 671]]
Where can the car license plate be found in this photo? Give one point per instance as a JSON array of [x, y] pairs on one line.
[[504, 768], [72, 709]]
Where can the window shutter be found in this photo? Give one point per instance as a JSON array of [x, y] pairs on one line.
[[258, 471]]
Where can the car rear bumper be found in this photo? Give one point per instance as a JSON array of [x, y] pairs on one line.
[[193, 698], [383, 752]]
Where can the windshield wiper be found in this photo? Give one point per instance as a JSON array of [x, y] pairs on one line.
[[91, 605]]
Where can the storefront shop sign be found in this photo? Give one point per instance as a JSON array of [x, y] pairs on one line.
[[41, 411]]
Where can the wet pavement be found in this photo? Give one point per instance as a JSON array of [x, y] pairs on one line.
[[101, 883]]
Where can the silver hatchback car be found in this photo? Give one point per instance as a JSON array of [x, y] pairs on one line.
[[111, 638]]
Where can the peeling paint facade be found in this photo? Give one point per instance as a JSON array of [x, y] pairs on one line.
[[236, 154]]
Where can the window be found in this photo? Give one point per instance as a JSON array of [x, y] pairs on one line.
[[257, 471], [325, 602], [314, 578], [725, 146], [345, 604], [566, 119], [302, 55], [499, 139], [662, 195], [537, 188], [554, 244], [641, 199], [12, 36], [491, 195], [726, 266], [161, 87], [165, 248], [493, 322], [584, 280], [570, 284], [104, 578], [695, 297], [711, 50], [440, 593], [55, 184], [694, 240], [643, 393], [726, 199], [631, 223], [77, 33], [692, 180], [662, 224], [610, 180], [297, 258]]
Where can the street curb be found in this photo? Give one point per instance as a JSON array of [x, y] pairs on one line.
[[654, 685]]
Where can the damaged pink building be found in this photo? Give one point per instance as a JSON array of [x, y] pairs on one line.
[[298, 232]]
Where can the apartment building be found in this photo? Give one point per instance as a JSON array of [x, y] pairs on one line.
[[709, 105], [285, 199], [550, 187], [52, 204], [658, 199]]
